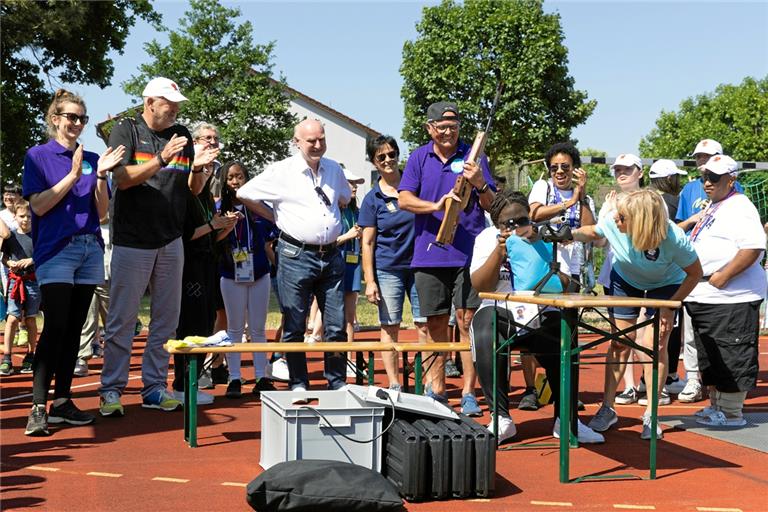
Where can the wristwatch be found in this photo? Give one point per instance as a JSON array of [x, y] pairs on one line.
[[159, 156]]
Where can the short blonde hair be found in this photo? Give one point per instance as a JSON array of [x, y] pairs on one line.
[[21, 204], [60, 97], [646, 218]]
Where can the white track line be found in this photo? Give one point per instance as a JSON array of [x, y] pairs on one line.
[[171, 480], [106, 475]]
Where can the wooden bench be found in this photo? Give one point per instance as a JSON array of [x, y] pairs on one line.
[[191, 353]]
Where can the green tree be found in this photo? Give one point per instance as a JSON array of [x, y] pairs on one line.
[[734, 115], [227, 80], [458, 54], [54, 42]]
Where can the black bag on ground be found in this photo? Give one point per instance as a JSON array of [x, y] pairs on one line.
[[320, 485]]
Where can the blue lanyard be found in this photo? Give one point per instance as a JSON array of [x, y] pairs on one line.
[[572, 213]]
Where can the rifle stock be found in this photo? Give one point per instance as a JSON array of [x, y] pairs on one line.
[[463, 189]]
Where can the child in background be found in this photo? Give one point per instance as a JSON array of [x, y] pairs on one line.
[[23, 290], [245, 280]]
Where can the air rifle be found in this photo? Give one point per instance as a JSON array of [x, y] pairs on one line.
[[463, 188]]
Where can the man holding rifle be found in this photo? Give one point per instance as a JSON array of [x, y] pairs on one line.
[[442, 270]]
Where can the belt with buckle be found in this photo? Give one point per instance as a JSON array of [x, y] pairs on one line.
[[308, 247]]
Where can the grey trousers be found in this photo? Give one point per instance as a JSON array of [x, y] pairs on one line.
[[98, 310], [132, 271]]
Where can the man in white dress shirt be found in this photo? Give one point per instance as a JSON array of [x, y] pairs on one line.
[[305, 192]]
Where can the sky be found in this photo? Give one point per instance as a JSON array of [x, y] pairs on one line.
[[635, 58]]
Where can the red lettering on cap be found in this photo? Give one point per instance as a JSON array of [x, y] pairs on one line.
[[717, 158]]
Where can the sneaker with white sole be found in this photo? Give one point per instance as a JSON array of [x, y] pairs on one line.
[[674, 385], [469, 405], [646, 433], [664, 399], [507, 429], [37, 422], [692, 392], [626, 397], [529, 401], [719, 419], [202, 397], [69, 413], [703, 413], [81, 368], [586, 434], [110, 405], [279, 370], [603, 419], [161, 399]]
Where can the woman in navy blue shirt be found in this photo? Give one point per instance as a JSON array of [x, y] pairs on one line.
[[387, 248]]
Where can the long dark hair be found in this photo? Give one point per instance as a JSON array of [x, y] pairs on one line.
[[228, 198]]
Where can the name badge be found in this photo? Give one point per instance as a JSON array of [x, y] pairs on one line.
[[391, 206], [352, 258], [243, 266], [457, 166], [525, 314]]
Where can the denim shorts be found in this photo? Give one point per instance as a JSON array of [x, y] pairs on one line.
[[620, 288], [393, 287], [31, 306], [80, 262]]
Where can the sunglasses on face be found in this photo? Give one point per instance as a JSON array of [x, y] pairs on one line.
[[622, 218], [73, 118], [554, 167], [382, 157], [322, 196], [711, 177], [520, 222]]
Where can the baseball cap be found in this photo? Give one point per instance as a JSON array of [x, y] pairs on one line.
[[351, 177], [708, 147], [627, 160], [721, 164], [663, 168], [437, 111], [164, 88]]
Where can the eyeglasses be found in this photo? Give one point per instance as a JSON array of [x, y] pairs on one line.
[[209, 138], [711, 177], [73, 118], [322, 195], [554, 167], [520, 222], [381, 158], [445, 128]]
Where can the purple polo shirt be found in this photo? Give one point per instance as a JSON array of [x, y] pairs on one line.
[[429, 179], [75, 214]]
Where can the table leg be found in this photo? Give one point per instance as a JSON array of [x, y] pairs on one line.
[[370, 369], [359, 364], [565, 396], [655, 392], [406, 372], [417, 377], [186, 399], [191, 399]]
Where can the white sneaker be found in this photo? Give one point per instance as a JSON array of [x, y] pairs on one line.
[[676, 386], [507, 429], [280, 370], [202, 397], [692, 392], [586, 434]]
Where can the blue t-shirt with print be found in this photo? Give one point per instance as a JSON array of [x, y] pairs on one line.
[[529, 263], [648, 270], [394, 230]]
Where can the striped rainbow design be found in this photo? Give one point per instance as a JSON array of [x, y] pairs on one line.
[[178, 163]]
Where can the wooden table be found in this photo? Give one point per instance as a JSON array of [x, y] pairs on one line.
[[570, 321]]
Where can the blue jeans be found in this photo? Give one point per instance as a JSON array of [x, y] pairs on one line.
[[81, 261], [394, 286], [301, 274]]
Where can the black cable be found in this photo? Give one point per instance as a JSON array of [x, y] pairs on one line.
[[380, 394]]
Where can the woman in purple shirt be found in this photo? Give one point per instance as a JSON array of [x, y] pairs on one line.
[[67, 190]]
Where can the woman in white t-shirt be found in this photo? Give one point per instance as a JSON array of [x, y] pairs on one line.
[[725, 306], [563, 198], [491, 272]]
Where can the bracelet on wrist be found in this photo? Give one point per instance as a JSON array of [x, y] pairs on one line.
[[197, 171], [101, 177], [211, 226], [159, 156], [483, 189]]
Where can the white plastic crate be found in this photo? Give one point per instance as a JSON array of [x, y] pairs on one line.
[[292, 432]]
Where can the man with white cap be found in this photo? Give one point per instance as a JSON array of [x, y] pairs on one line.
[[153, 183], [693, 200], [725, 306]]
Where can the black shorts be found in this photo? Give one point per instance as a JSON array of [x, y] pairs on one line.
[[726, 337], [438, 287]]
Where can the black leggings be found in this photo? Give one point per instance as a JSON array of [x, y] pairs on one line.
[[65, 307], [543, 342]]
